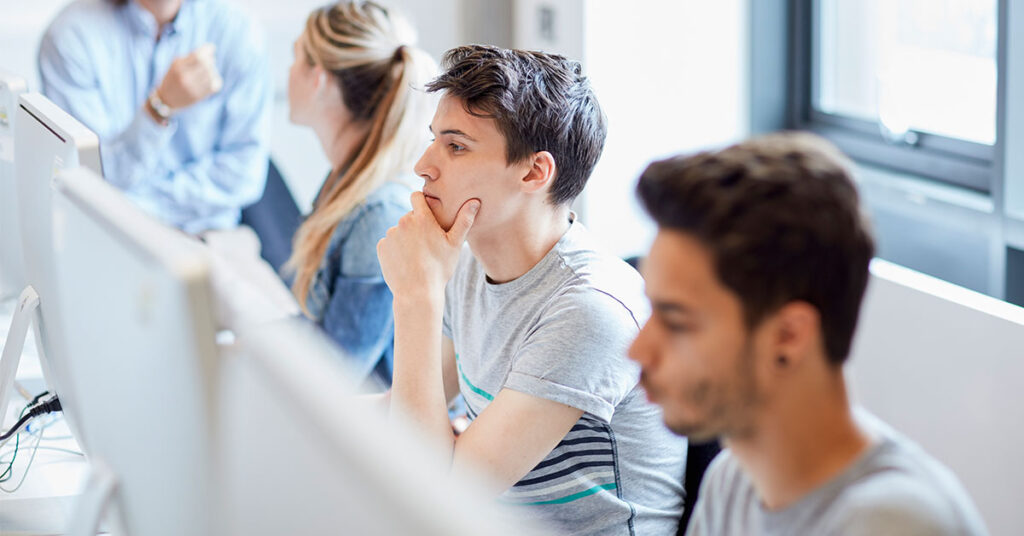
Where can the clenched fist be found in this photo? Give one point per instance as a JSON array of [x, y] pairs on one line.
[[190, 79]]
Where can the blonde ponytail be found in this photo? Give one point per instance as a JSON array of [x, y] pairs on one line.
[[362, 43]]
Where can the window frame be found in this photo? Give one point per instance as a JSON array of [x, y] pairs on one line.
[[945, 159]]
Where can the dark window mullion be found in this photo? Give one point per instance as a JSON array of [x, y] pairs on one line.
[[953, 169], [927, 141]]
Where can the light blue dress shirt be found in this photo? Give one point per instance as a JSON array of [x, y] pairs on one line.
[[100, 62]]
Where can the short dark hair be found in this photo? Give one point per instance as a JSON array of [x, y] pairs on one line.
[[781, 217], [541, 102]]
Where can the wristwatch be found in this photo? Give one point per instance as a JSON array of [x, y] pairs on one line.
[[162, 110]]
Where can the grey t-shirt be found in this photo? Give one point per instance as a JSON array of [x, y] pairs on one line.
[[560, 332], [895, 488]]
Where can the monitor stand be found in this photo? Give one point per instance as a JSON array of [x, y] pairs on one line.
[[25, 313], [28, 515], [96, 499]]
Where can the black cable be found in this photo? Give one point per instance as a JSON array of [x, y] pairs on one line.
[[37, 398], [50, 406], [9, 472]]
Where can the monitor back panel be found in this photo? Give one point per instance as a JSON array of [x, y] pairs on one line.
[[302, 453], [141, 353], [12, 267], [48, 141]]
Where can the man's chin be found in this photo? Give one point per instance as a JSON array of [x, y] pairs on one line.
[[443, 220], [446, 224], [695, 432]]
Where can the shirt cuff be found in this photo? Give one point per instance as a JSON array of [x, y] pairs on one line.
[[148, 138]]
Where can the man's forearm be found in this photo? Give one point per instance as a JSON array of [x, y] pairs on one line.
[[418, 258], [417, 388]]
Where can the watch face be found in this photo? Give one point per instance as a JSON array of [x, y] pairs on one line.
[[159, 107]]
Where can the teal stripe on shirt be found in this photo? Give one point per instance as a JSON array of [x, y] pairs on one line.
[[573, 497], [472, 387]]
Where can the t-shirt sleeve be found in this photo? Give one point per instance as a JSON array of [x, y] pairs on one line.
[[450, 296], [446, 317], [576, 353], [699, 521]]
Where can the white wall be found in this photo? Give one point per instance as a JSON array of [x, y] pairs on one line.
[[671, 78], [21, 28], [945, 366]]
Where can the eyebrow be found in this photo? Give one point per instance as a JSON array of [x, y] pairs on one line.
[[453, 132], [669, 307]]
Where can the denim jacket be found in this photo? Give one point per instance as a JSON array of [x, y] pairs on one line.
[[348, 297]]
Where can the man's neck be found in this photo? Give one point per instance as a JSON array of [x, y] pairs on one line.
[[164, 11], [801, 443], [515, 248]]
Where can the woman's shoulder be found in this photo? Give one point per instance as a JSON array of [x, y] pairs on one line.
[[391, 195], [383, 207], [387, 203], [380, 211]]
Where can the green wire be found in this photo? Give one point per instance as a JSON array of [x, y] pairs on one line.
[[9, 472]]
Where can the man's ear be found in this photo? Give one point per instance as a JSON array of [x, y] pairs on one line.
[[797, 332], [541, 173]]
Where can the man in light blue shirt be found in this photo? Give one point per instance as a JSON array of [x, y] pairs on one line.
[[178, 92]]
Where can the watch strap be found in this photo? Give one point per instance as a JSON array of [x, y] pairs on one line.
[[159, 107]]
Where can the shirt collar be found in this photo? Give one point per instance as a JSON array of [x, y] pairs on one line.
[[143, 22]]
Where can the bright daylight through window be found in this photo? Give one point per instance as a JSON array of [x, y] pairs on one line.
[[909, 65]]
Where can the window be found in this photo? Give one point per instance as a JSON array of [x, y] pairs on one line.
[[904, 84]]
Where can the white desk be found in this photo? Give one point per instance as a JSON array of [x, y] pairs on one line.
[[44, 501]]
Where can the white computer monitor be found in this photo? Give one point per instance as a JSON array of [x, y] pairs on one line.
[[301, 453], [48, 140], [141, 356], [12, 271]]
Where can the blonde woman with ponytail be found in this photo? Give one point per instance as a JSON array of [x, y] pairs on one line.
[[357, 81]]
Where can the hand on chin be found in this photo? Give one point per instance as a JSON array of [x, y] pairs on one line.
[[418, 256], [437, 208]]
